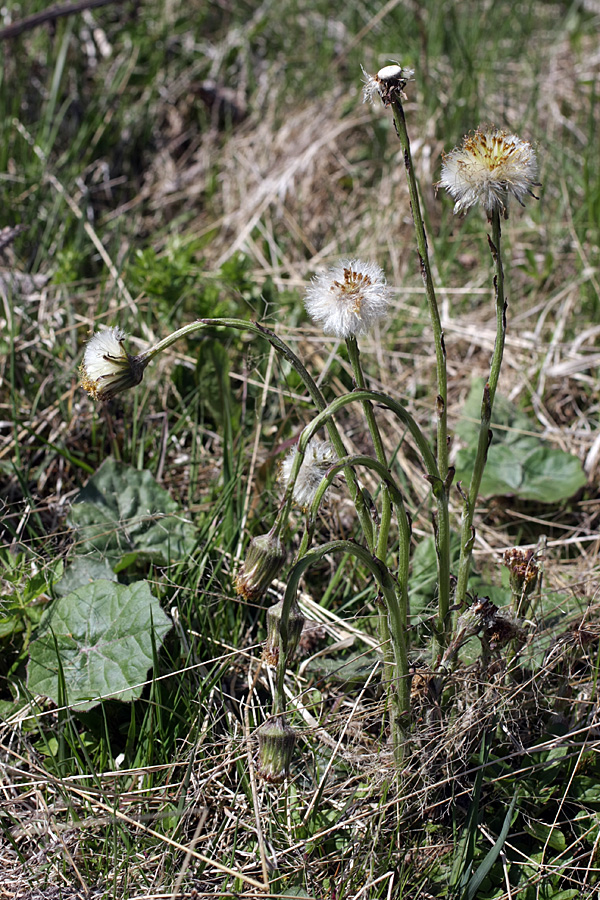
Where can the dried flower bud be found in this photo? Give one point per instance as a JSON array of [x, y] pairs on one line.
[[294, 630], [389, 80], [264, 561], [523, 572], [319, 456], [478, 617], [276, 740], [483, 618], [107, 368]]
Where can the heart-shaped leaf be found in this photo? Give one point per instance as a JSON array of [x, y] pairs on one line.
[[102, 637], [123, 511], [520, 462]]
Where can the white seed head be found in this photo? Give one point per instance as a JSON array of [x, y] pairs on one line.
[[318, 458], [348, 299], [487, 168], [107, 368]]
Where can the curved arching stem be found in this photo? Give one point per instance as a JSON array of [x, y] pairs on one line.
[[400, 698]]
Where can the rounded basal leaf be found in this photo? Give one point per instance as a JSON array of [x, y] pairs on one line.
[[123, 511], [520, 463], [102, 636], [84, 570]]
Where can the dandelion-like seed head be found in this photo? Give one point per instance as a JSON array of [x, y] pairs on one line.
[[318, 458], [107, 368], [389, 80], [487, 168], [348, 299]]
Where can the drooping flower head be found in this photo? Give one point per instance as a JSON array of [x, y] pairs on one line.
[[348, 299], [265, 558], [107, 368], [319, 456], [488, 167], [385, 83], [276, 741]]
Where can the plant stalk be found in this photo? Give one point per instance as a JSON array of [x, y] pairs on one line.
[[446, 474], [467, 534]]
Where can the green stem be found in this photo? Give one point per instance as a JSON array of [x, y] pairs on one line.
[[446, 473], [467, 534], [399, 411], [386, 508], [317, 397], [401, 694]]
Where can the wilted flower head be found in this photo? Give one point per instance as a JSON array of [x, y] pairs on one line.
[[487, 168], [389, 79], [295, 624], [348, 299], [276, 740], [264, 561], [318, 458], [107, 368], [523, 570]]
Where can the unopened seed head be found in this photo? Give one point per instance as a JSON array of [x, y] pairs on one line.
[[107, 368], [265, 558], [276, 741]]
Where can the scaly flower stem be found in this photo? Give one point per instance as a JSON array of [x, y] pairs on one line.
[[401, 693], [467, 534], [282, 348], [359, 379], [386, 513], [446, 474]]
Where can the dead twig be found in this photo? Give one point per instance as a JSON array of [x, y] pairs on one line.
[[50, 15]]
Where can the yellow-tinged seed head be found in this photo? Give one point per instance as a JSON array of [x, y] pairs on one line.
[[348, 299], [487, 168]]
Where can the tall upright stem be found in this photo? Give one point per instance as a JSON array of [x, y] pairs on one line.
[[467, 534], [388, 629], [441, 491]]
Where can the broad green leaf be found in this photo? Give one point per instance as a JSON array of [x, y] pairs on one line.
[[547, 834], [122, 510], [550, 475], [520, 462], [103, 634], [84, 570]]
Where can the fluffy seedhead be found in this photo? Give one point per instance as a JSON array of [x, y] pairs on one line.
[[488, 168], [348, 299], [319, 456]]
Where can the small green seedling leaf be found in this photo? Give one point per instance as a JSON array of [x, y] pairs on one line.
[[102, 634]]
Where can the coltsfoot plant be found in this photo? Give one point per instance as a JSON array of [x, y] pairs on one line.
[[489, 169]]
